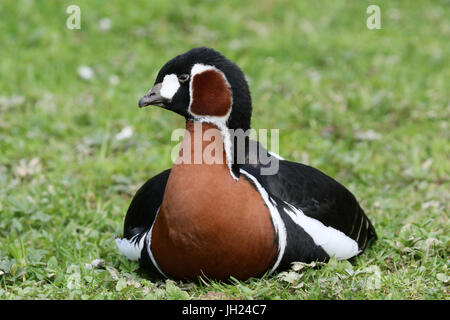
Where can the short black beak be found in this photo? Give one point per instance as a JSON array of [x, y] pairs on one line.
[[153, 97]]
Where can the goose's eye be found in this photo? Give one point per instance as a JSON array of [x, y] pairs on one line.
[[183, 78]]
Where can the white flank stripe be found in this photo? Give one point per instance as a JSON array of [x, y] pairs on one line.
[[360, 227], [278, 223], [149, 249], [334, 242], [170, 86], [133, 251], [276, 155], [130, 249]]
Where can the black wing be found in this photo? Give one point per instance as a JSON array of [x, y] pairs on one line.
[[145, 204], [318, 196]]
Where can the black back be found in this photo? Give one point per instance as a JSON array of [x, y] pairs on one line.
[[317, 195]]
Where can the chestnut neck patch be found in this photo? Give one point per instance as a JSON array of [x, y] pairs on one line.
[[210, 94]]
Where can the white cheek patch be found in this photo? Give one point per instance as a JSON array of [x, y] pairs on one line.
[[170, 86]]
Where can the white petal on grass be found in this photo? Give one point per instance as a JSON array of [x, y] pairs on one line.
[[126, 133], [12, 101], [442, 277], [297, 265], [114, 273], [47, 102], [104, 24], [369, 135], [121, 284], [85, 72], [28, 168], [427, 164], [314, 75], [114, 80], [432, 242], [98, 263], [431, 204], [290, 276], [373, 281], [95, 264]]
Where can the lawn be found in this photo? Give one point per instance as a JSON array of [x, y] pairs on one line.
[[368, 107]]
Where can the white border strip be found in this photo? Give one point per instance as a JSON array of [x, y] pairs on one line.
[[149, 249], [278, 223]]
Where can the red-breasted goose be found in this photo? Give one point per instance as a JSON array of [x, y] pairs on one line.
[[226, 218]]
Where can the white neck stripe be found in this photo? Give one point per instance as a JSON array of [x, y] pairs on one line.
[[219, 122]]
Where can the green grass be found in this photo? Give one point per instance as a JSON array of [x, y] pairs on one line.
[[368, 107]]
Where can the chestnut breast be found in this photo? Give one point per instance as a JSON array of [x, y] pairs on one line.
[[210, 224]]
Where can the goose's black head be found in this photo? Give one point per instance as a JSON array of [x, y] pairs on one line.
[[203, 84]]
